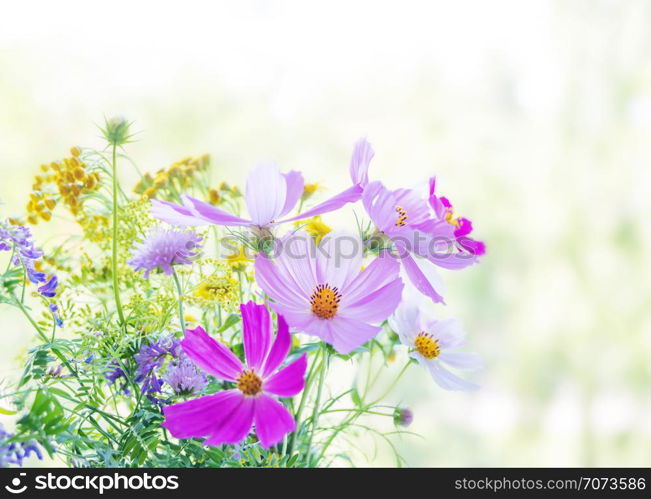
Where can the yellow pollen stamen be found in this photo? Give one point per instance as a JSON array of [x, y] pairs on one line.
[[450, 218], [402, 216], [249, 383], [325, 301], [427, 346]]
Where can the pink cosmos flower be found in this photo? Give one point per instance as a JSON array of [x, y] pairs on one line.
[[323, 291], [422, 233], [227, 416], [269, 196]]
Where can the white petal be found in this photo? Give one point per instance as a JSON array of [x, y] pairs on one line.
[[462, 360]]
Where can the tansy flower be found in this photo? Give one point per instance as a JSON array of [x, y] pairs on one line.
[[431, 343], [163, 248], [315, 227], [322, 292], [270, 195], [239, 260], [227, 416]]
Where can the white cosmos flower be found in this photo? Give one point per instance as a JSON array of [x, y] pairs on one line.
[[431, 342]]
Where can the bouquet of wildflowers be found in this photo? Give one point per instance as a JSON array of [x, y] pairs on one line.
[[187, 323]]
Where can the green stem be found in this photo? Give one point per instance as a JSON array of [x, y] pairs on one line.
[[297, 416], [315, 411], [180, 291], [114, 250]]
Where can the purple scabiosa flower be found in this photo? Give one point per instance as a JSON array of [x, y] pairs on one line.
[[270, 195], [184, 378], [431, 343], [16, 452], [163, 248], [49, 289], [418, 235], [226, 417], [325, 293]]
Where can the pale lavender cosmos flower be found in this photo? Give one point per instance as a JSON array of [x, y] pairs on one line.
[[163, 248], [227, 416], [269, 195], [420, 234], [431, 343], [184, 378], [324, 292]]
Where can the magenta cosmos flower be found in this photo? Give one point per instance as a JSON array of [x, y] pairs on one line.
[[269, 196], [227, 416], [421, 233], [324, 291]]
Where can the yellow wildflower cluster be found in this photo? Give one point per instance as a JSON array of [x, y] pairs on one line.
[[219, 288], [67, 181], [239, 260], [315, 227], [178, 177]]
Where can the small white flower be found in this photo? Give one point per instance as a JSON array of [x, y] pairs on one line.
[[430, 342]]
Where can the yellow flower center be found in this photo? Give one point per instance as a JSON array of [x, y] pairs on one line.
[[427, 346], [249, 383], [450, 218], [325, 301], [402, 216]]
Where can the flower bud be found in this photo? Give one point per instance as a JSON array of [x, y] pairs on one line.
[[403, 416], [116, 131]]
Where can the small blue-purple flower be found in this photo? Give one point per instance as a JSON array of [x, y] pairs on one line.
[[49, 289], [55, 314], [16, 452], [163, 248]]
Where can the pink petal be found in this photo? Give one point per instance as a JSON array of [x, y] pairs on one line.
[[380, 204], [280, 348], [380, 272], [266, 193], [350, 195], [348, 333], [295, 187], [297, 258], [289, 381], [339, 259], [234, 427], [211, 214], [278, 283], [272, 421], [362, 155], [377, 305], [210, 355], [418, 278], [256, 330], [174, 214], [197, 418]]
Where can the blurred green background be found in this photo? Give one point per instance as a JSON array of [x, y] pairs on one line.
[[535, 115]]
